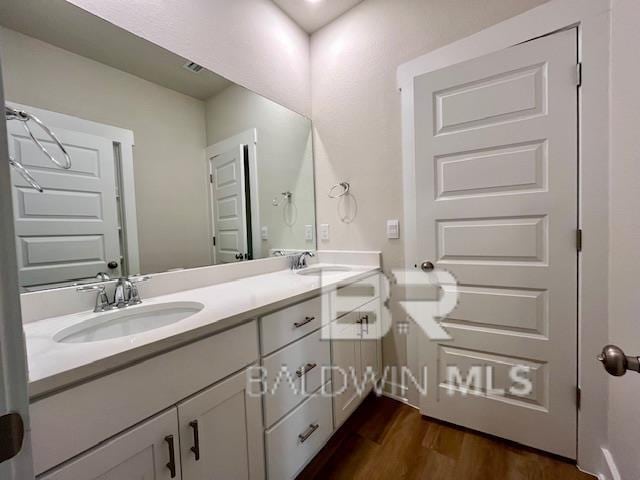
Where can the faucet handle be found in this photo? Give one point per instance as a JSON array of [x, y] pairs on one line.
[[102, 300], [135, 295], [90, 288]]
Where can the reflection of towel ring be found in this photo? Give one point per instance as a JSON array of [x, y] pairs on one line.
[[277, 201], [345, 189]]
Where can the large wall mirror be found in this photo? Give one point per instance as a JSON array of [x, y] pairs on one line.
[[172, 166]]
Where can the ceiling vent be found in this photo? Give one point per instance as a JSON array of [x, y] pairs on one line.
[[193, 67]]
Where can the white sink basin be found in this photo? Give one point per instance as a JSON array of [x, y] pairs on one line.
[[322, 270], [126, 322]]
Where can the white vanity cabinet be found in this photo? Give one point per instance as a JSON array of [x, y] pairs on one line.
[[148, 451], [297, 426], [193, 412], [214, 434], [297, 404], [221, 433]]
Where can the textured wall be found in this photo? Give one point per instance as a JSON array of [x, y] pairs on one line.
[[356, 110], [251, 42], [624, 302]]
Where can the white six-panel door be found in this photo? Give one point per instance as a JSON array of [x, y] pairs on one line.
[[229, 205], [69, 231], [496, 183]]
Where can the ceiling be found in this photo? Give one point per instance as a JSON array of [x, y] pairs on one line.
[[75, 30], [312, 15]]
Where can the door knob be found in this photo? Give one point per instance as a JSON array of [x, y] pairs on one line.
[[112, 264], [427, 267], [616, 363]]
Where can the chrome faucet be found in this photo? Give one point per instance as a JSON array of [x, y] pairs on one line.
[[126, 293], [122, 295], [299, 261]]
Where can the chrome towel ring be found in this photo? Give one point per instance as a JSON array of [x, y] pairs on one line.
[[24, 117], [335, 193]]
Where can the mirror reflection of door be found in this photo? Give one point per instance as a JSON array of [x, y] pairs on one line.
[[231, 205], [70, 232]]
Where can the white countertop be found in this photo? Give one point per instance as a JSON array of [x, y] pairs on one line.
[[54, 366]]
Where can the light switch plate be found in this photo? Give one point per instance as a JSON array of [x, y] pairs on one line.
[[264, 233], [308, 232], [393, 229], [324, 231]]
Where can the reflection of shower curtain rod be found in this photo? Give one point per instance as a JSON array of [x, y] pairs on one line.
[[24, 117]]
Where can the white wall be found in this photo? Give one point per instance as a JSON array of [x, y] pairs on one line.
[[624, 298], [356, 110], [251, 42]]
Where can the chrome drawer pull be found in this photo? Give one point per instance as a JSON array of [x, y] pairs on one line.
[[304, 322], [308, 432], [304, 370]]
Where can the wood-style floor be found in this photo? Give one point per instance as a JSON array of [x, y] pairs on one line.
[[385, 439]]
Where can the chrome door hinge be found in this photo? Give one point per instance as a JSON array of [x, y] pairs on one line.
[[579, 74], [579, 240], [578, 397]]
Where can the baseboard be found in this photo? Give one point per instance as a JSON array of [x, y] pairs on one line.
[[610, 463], [391, 390]]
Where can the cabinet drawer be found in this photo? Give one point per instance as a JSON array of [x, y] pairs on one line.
[[353, 296], [287, 325], [142, 452], [299, 436], [303, 362]]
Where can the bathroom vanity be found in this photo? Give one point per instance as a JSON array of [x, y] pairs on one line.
[[168, 333], [187, 399]]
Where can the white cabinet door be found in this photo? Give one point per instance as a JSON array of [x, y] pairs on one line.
[[221, 433], [147, 452], [370, 347], [496, 176], [346, 365]]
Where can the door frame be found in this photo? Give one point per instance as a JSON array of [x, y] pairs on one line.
[[13, 367], [250, 139], [123, 141], [592, 19]]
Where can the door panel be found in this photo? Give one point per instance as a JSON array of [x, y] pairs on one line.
[[229, 205], [69, 231], [496, 183]]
